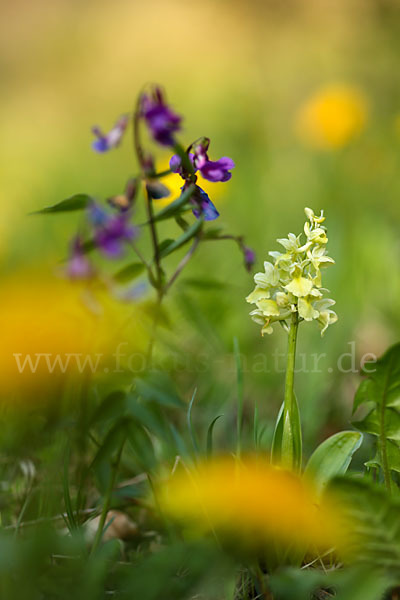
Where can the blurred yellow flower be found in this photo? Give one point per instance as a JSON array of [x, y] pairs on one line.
[[332, 117], [251, 500], [51, 327], [174, 182]]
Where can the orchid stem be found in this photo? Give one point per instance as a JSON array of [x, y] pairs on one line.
[[288, 457]]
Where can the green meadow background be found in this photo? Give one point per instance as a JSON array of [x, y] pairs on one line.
[[239, 72]]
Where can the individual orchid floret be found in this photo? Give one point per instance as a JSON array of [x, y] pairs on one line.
[[160, 118], [293, 282], [79, 266], [113, 138]]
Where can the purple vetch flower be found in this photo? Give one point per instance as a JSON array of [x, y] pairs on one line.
[[160, 118], [79, 266], [111, 236], [202, 205], [97, 215], [216, 170], [249, 257], [212, 170], [111, 139], [175, 163]]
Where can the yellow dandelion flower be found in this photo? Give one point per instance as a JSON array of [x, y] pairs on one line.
[[251, 500], [51, 328], [332, 117]]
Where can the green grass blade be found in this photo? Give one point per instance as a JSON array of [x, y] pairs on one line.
[[210, 434], [190, 426]]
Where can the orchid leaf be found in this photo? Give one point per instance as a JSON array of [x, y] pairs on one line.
[[332, 457]]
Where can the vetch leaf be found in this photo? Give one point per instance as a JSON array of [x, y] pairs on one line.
[[183, 224], [176, 206], [129, 272], [190, 233], [213, 233], [164, 244], [76, 202]]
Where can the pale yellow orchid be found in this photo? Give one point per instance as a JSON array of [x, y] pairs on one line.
[[293, 283]]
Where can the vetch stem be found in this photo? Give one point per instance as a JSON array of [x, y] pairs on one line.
[[182, 264], [154, 240], [156, 318]]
